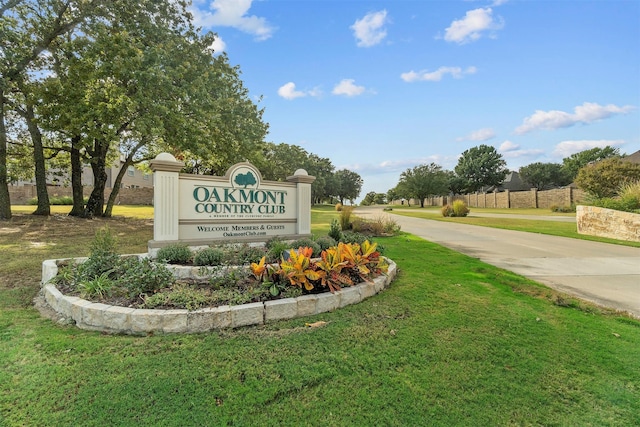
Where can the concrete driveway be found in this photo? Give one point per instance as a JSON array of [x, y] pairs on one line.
[[606, 274]]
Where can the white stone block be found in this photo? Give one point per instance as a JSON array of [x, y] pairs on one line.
[[65, 305], [327, 302], [51, 296], [222, 318], [307, 305], [77, 307], [93, 314], [174, 321], [118, 319], [280, 309], [145, 320], [49, 270], [350, 295], [379, 283], [367, 290], [201, 320], [247, 314]]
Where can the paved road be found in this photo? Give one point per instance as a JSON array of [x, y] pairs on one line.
[[606, 274]]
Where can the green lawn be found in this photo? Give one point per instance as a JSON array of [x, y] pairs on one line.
[[453, 341]]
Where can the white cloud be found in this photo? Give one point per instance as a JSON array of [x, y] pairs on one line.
[[511, 150], [389, 166], [348, 87], [369, 31], [479, 135], [567, 148], [232, 13], [436, 76], [288, 91], [471, 27], [586, 113], [218, 45]]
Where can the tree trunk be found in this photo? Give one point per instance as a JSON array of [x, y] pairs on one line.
[[76, 179], [95, 203], [5, 200], [116, 188], [44, 207]]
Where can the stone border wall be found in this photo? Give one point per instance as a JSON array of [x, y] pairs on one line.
[[610, 223], [510, 199], [126, 196], [114, 319]]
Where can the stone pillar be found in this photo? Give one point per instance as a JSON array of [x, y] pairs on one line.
[[534, 197], [166, 187], [303, 201]]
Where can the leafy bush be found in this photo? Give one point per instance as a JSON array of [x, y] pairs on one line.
[[605, 178], [379, 225], [325, 242], [54, 200], [208, 256], [460, 208], [307, 243], [103, 256], [447, 210], [243, 254], [564, 209], [275, 251], [142, 276], [97, 287], [353, 237], [338, 207], [335, 232], [175, 254]]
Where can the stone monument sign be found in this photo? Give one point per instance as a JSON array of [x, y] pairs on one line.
[[240, 206]]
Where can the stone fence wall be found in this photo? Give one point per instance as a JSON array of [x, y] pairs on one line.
[[126, 196], [511, 199], [603, 222]]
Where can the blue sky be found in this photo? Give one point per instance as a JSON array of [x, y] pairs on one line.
[[382, 86]]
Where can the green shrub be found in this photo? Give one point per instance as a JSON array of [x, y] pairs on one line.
[[353, 237], [309, 243], [97, 287], [54, 200], [563, 209], [208, 256], [460, 208], [276, 249], [243, 254], [143, 276], [325, 242], [447, 210], [335, 232], [103, 257], [175, 254]]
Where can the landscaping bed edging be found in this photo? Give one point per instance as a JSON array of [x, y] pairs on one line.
[[136, 321]]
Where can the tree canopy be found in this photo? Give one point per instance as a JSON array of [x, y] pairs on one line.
[[577, 161], [481, 166], [348, 185], [424, 181], [544, 175]]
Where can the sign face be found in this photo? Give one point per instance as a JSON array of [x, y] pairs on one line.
[[238, 205]]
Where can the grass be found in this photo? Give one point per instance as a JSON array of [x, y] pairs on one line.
[[453, 341], [554, 228]]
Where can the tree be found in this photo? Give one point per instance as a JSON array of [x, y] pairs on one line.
[[380, 199], [424, 181], [604, 178], [544, 175], [577, 161], [29, 28], [481, 166], [369, 199], [349, 184]]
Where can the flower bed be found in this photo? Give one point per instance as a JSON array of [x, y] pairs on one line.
[[127, 320]]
